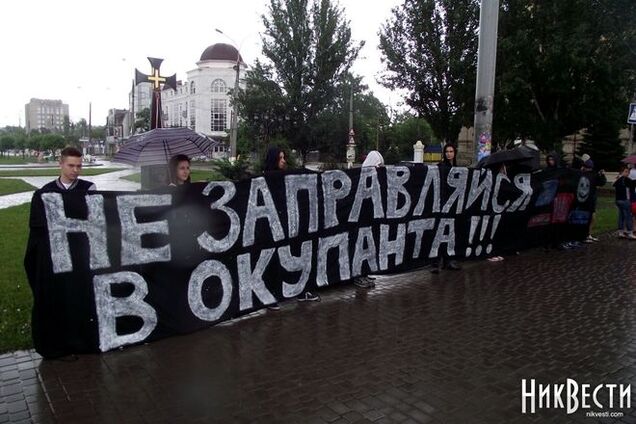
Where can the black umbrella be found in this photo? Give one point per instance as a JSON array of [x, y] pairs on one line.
[[157, 146], [522, 156]]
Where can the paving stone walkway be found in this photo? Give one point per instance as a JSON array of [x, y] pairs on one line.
[[419, 348]]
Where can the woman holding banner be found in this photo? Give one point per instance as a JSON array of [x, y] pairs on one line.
[[276, 160], [445, 261]]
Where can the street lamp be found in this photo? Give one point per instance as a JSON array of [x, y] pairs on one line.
[[234, 119]]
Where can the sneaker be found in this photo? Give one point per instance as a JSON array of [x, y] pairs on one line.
[[591, 237], [370, 280], [362, 282], [575, 244], [308, 297], [622, 234], [274, 307], [631, 237]]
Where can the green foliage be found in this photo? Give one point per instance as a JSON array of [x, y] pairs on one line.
[[393, 155], [15, 295], [308, 50], [6, 142], [142, 122], [405, 132], [430, 50], [233, 171], [601, 142], [563, 66]]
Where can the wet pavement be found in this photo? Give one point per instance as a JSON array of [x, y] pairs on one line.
[[451, 348]]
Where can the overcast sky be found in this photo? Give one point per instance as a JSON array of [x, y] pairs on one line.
[[86, 51]]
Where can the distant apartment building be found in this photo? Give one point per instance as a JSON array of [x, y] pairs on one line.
[[140, 97], [45, 114]]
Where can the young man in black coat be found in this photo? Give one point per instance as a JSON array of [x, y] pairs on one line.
[[70, 170]]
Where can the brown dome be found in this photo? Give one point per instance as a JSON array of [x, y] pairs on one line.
[[220, 51]]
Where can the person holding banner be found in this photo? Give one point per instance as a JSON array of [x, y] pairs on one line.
[[276, 161], [374, 158], [70, 170], [449, 159], [179, 170]]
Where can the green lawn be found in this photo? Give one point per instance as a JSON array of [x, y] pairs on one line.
[[198, 175], [606, 218], [53, 172], [15, 160], [10, 186], [15, 294]]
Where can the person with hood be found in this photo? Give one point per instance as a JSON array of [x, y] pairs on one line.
[[449, 159], [276, 161], [374, 158], [552, 160]]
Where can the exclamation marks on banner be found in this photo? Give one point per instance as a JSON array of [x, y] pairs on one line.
[[482, 223]]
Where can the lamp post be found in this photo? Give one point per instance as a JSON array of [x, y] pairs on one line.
[[234, 117]]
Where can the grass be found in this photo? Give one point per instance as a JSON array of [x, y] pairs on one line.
[[15, 293], [53, 172], [16, 160], [606, 217], [10, 186], [197, 175]]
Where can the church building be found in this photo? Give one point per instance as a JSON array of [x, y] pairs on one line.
[[202, 102]]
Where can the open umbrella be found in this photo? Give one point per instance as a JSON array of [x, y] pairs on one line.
[[630, 159], [157, 146], [522, 156]]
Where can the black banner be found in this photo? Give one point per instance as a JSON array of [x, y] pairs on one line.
[[109, 269]]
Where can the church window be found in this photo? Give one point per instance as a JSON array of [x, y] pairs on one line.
[[219, 115], [218, 86]]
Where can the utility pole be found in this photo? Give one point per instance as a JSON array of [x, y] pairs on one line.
[[484, 95], [351, 145], [234, 131], [132, 108], [90, 143]]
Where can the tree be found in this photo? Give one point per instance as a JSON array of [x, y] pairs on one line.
[[406, 131], [370, 120], [430, 49], [143, 120], [601, 142], [308, 50], [563, 66], [52, 142], [7, 142]]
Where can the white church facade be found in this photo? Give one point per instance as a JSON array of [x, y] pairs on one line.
[[202, 102]]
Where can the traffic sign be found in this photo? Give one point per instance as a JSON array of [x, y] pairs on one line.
[[631, 116]]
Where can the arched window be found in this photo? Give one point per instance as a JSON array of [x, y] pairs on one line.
[[191, 87], [218, 86]]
